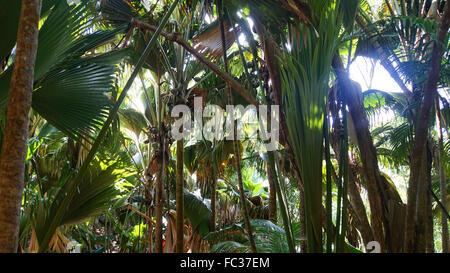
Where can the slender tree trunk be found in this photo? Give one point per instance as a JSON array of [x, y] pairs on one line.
[[150, 230], [423, 115], [443, 182], [429, 220], [160, 169], [354, 196], [242, 193], [420, 239], [235, 142], [159, 200], [212, 226], [12, 161], [180, 197], [272, 196]]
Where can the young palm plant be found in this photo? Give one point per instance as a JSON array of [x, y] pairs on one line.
[[305, 74]]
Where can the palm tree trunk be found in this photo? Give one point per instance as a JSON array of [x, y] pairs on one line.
[[367, 150], [385, 202], [159, 200], [150, 230], [180, 197], [212, 226], [443, 179], [423, 115], [235, 142], [12, 161], [429, 219], [420, 239], [354, 196], [272, 196], [160, 171]]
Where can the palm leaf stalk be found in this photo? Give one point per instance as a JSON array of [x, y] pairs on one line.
[[329, 207], [442, 179], [341, 218], [179, 197], [205, 61], [43, 244], [282, 202], [236, 145]]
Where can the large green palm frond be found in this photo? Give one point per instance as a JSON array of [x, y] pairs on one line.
[[94, 196], [305, 75], [269, 238], [74, 100], [197, 211], [71, 86], [9, 21], [406, 43], [133, 120]]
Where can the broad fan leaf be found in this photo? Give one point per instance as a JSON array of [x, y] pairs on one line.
[[133, 120], [74, 99], [71, 88], [198, 213], [209, 41], [94, 195], [269, 238]]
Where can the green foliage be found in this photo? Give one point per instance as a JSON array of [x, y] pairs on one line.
[[197, 212], [133, 120], [71, 89], [95, 193], [269, 238], [305, 73]]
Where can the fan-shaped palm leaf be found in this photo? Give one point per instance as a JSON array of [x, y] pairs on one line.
[[71, 90]]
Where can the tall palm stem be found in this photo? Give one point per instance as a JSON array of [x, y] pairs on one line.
[[423, 115], [341, 219], [179, 197], [329, 208], [443, 184], [235, 142], [159, 151], [212, 227], [282, 202], [12, 161]]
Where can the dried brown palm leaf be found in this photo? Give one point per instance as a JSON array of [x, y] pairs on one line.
[[209, 42], [58, 243], [299, 8]]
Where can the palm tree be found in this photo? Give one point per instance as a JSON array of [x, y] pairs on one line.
[[12, 162], [409, 45], [90, 179]]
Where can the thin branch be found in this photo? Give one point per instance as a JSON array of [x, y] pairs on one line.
[[149, 220], [175, 37]]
